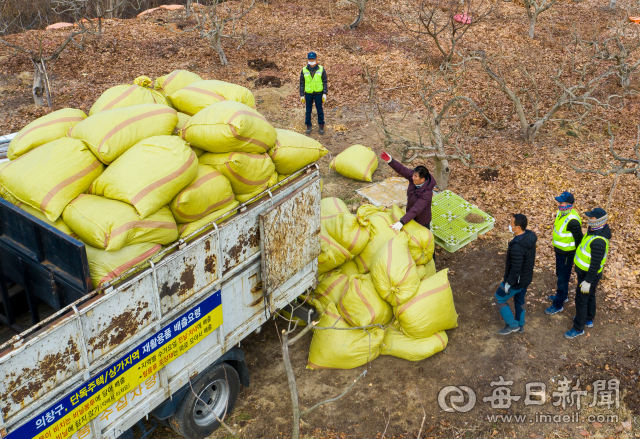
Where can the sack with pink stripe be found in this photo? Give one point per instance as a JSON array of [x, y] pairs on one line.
[[199, 95], [50, 176], [110, 133], [208, 192], [361, 305], [106, 266], [332, 254], [230, 126], [127, 95], [174, 81], [111, 224], [413, 349], [149, 175], [394, 272], [43, 130], [348, 231], [247, 173], [356, 162]]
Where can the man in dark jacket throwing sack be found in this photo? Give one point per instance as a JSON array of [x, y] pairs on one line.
[[518, 274], [591, 255]]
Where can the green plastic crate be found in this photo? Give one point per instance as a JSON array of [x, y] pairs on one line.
[[450, 230]]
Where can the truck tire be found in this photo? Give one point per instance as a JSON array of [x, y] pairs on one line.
[[218, 388]]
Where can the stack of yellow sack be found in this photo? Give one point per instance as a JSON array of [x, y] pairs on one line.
[[155, 161], [371, 274]]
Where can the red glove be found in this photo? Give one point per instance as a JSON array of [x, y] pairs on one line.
[[386, 157]]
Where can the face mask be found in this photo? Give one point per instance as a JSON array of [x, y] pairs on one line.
[[312, 63], [565, 209], [510, 229], [598, 223]]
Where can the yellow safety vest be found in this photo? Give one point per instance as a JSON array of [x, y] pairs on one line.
[[583, 254], [313, 84], [562, 238]]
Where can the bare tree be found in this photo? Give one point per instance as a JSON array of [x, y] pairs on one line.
[[89, 14], [213, 19], [618, 48], [439, 135], [360, 4], [444, 22], [575, 83], [34, 49], [615, 164], [534, 8]]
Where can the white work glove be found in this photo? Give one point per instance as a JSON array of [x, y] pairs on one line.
[[585, 287], [303, 99], [324, 98], [397, 226], [506, 287]]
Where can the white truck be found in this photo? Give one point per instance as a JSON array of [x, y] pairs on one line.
[[161, 340]]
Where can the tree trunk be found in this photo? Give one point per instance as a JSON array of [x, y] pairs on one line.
[[216, 43], [187, 8], [625, 75], [442, 173], [360, 17], [532, 25], [38, 86], [612, 4], [293, 388], [531, 131]]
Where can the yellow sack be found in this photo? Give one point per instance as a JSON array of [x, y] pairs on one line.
[[174, 81], [3, 192], [111, 225], [281, 177], [228, 127], [429, 269], [329, 290], [294, 151], [198, 151], [393, 271], [332, 206], [348, 232], [110, 133], [199, 95], [349, 268], [127, 95], [431, 310], [105, 266], [342, 349], [357, 162], [188, 228], [272, 183], [208, 192], [413, 349], [149, 175], [182, 121], [361, 305], [52, 175], [421, 244], [43, 130], [380, 232], [332, 254], [248, 173], [58, 224]]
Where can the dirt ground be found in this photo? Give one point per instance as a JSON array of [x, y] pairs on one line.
[[387, 401]]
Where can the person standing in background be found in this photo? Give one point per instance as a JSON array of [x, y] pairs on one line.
[[313, 89]]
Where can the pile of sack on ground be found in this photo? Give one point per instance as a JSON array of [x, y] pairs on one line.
[[371, 274], [153, 162]]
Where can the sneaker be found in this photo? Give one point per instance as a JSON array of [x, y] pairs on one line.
[[553, 297], [321, 130], [508, 330], [308, 129], [572, 333], [553, 310], [521, 330], [589, 324]]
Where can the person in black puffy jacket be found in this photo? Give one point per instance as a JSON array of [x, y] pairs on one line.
[[518, 274]]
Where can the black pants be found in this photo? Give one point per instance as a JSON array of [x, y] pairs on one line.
[[310, 99], [585, 303], [564, 264]]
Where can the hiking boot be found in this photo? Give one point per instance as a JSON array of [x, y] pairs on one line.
[[521, 330], [508, 330], [321, 131], [308, 129], [572, 333], [553, 310], [552, 298], [589, 324]]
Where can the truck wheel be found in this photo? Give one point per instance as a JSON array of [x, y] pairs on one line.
[[218, 388]]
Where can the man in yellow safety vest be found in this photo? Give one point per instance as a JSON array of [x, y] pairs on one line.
[[567, 235], [591, 255], [313, 88]]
